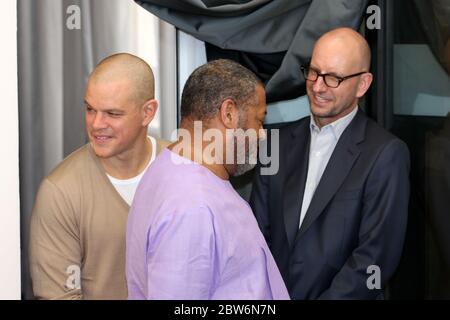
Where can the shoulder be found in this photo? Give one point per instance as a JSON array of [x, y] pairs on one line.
[[79, 173], [61, 186], [293, 127], [382, 150], [161, 144], [190, 230], [72, 166], [378, 138], [287, 131], [195, 212], [180, 216]]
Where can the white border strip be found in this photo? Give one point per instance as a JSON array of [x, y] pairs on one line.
[[10, 287]]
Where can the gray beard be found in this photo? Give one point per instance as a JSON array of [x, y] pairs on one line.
[[252, 154], [243, 168]]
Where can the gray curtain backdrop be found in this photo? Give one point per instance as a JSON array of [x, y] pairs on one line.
[[54, 63], [277, 36], [434, 17]]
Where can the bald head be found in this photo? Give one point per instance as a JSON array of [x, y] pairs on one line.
[[343, 55], [127, 67], [349, 47]]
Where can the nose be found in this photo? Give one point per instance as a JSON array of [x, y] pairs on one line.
[[98, 121], [319, 85]]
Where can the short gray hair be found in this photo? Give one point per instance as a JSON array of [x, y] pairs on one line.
[[212, 83]]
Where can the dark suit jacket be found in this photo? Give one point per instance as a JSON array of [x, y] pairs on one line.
[[357, 216]]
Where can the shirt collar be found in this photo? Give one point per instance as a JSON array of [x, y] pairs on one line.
[[337, 127]]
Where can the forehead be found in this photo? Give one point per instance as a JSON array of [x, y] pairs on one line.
[[257, 110], [333, 56], [261, 96], [108, 93]]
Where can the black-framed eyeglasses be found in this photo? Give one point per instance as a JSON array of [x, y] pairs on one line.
[[330, 80]]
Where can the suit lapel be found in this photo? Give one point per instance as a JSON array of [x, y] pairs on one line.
[[341, 162], [297, 170]]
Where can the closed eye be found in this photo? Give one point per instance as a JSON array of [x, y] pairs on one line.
[[114, 114]]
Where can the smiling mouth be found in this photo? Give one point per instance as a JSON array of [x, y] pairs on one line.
[[101, 138], [321, 100]]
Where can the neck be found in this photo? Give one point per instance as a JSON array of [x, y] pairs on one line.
[[195, 152], [131, 164]]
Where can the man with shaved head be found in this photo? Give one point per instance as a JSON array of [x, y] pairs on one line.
[[77, 233], [335, 213]]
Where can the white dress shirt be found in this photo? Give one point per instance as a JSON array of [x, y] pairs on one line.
[[323, 142]]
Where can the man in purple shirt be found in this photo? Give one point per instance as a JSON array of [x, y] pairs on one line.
[[189, 234]]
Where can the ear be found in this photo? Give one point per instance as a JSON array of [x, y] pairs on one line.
[[364, 83], [149, 111], [229, 114]]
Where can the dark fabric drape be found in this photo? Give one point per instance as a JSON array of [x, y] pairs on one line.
[[270, 37], [434, 17], [437, 208], [425, 21]]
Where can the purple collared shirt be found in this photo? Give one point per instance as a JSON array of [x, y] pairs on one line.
[[191, 236]]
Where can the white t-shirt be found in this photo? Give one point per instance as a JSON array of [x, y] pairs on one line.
[[127, 188]]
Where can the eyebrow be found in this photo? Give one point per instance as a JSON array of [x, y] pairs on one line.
[[114, 110], [328, 73]]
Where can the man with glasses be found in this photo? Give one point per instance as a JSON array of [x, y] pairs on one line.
[[335, 213]]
